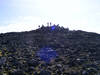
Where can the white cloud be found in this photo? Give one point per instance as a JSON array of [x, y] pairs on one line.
[[16, 28], [21, 24], [25, 23], [28, 23]]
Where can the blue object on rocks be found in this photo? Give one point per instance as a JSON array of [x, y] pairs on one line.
[[53, 27], [46, 54]]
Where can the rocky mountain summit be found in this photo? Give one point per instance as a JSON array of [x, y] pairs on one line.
[[50, 50]]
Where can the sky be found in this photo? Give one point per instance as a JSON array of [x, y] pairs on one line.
[[26, 15]]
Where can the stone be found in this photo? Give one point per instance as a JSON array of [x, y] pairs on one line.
[[43, 72], [2, 60]]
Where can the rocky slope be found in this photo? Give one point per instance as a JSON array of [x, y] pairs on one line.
[[78, 52]]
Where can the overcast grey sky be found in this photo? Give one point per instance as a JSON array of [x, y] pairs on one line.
[[25, 15]]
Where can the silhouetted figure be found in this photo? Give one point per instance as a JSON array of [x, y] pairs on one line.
[[47, 23], [39, 26], [50, 23]]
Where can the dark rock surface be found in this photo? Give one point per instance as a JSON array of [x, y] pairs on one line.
[[78, 52]]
